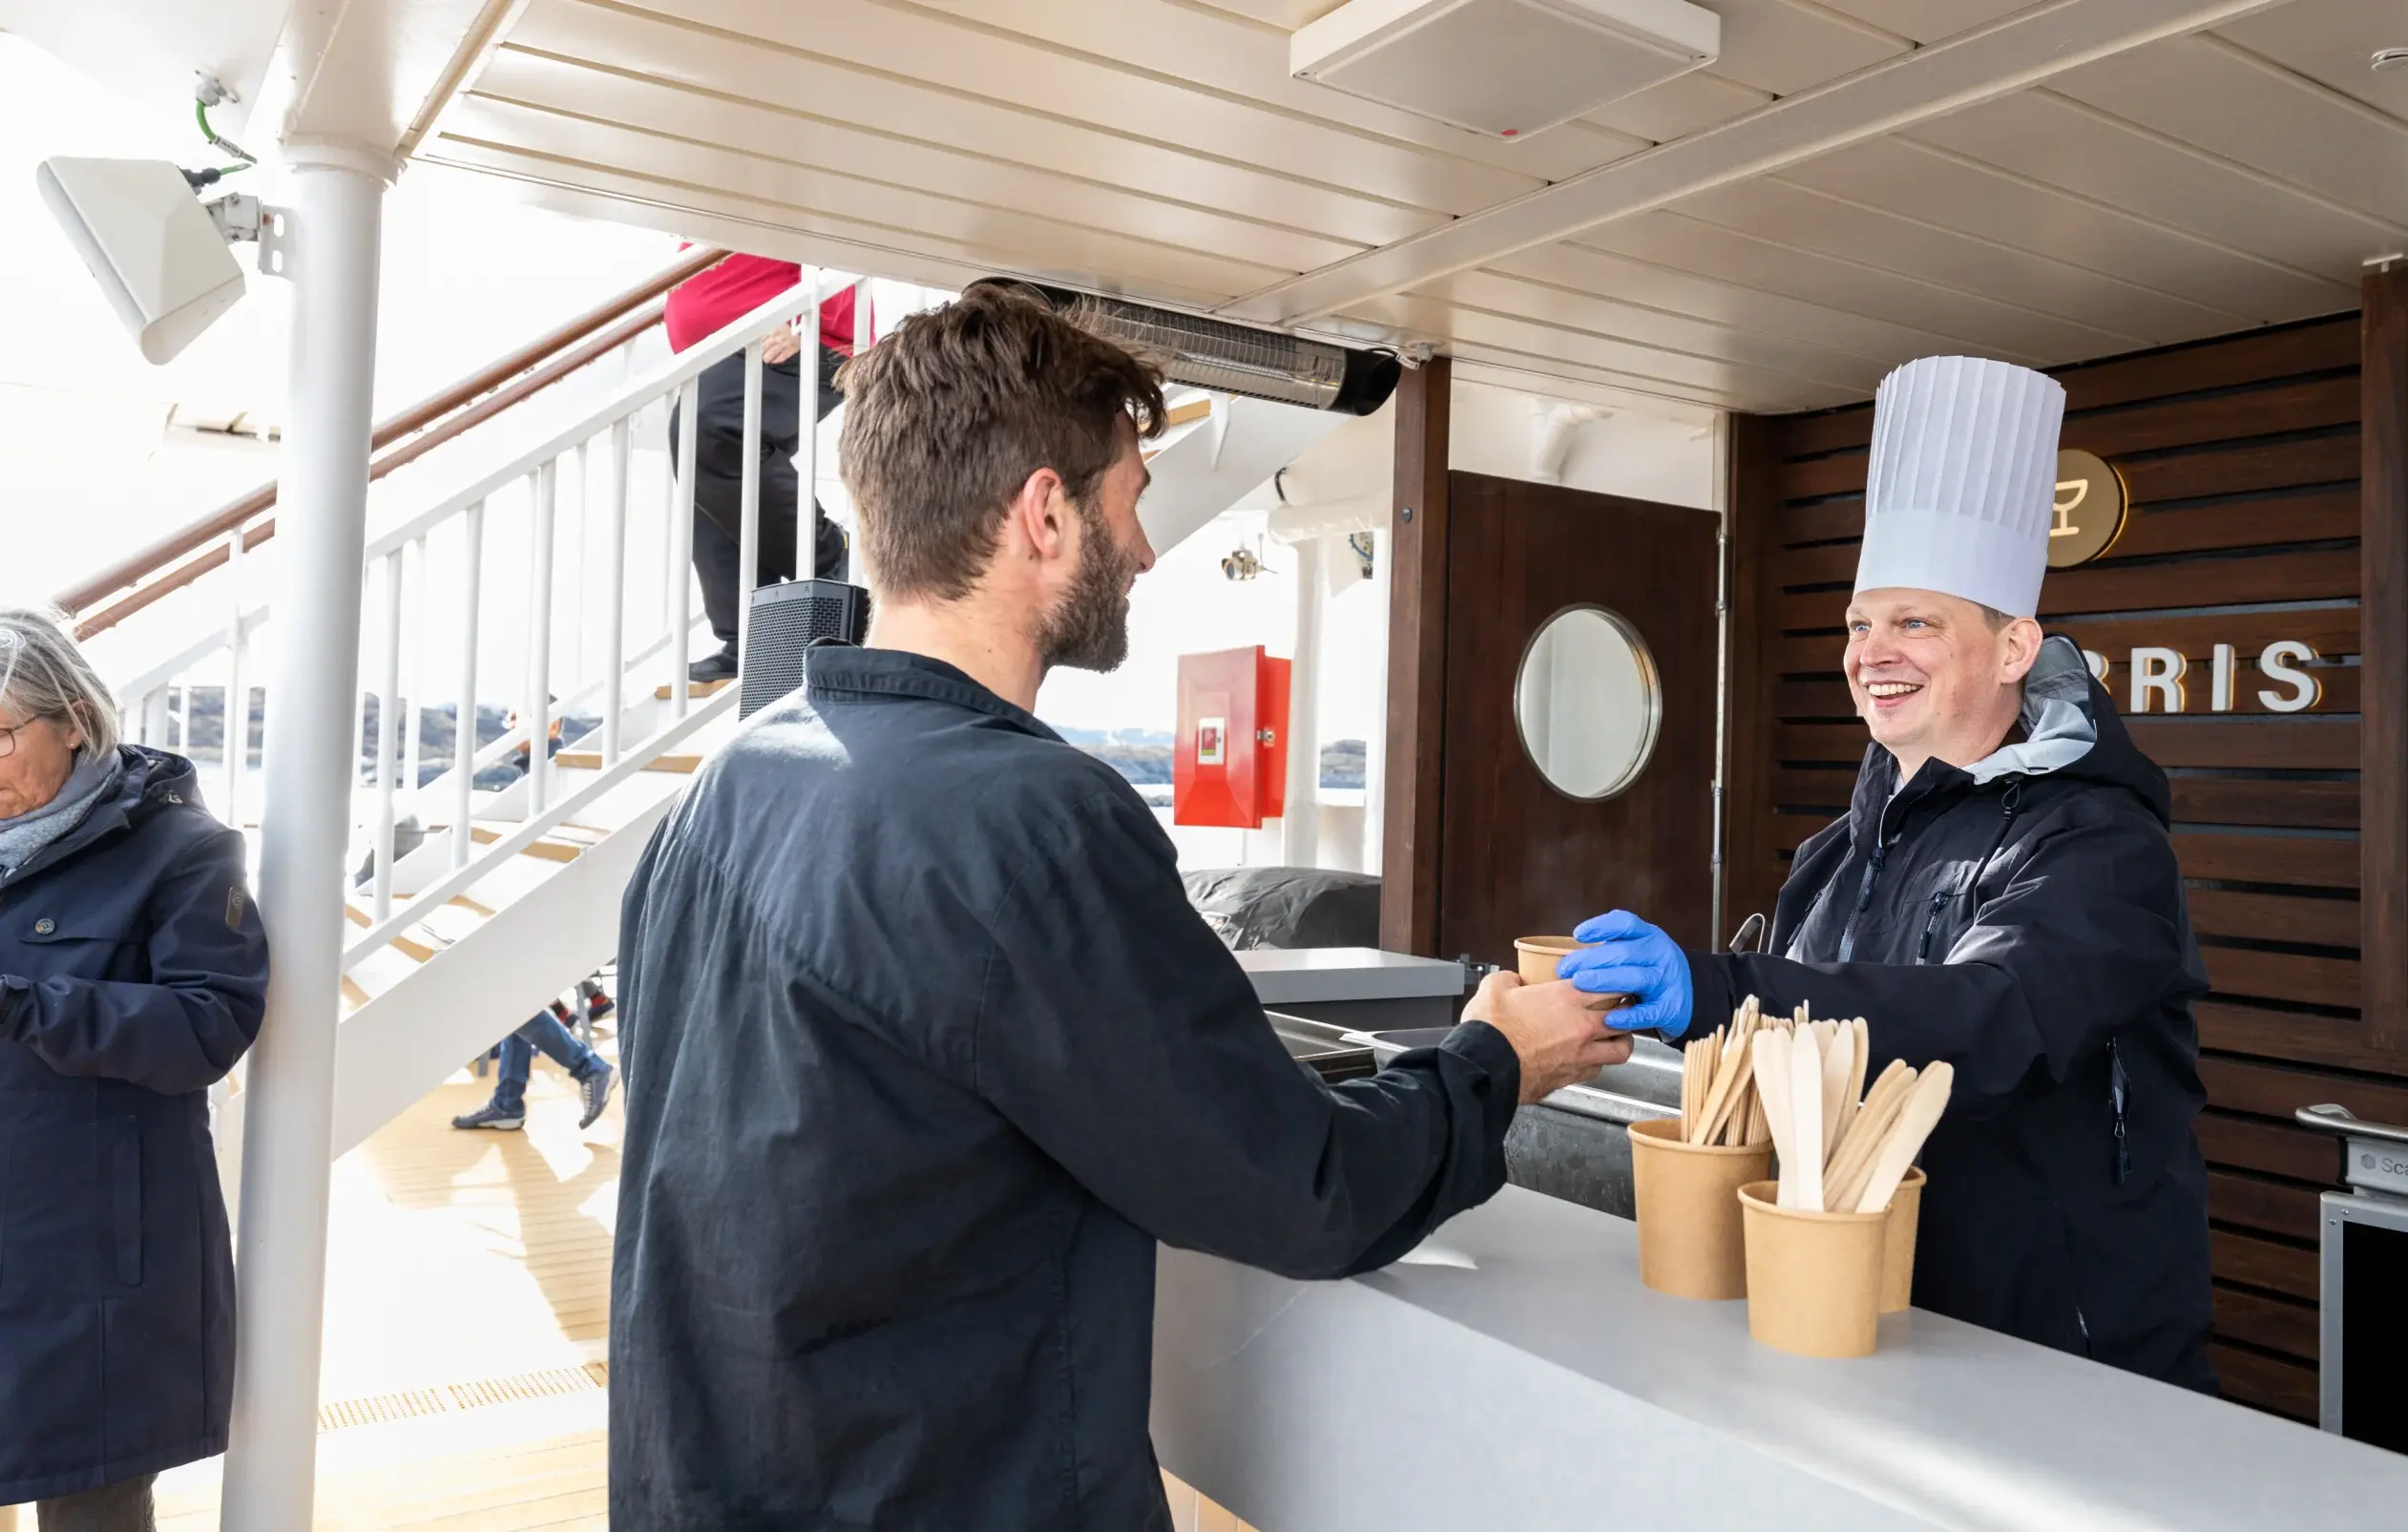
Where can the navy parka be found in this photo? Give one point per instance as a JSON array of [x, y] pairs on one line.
[[2025, 922], [925, 1050], [133, 975]]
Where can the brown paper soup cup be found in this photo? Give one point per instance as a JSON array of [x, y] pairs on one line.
[[1690, 1239], [1897, 1249], [1813, 1279], [1536, 956]]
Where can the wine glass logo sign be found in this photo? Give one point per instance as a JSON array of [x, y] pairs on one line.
[[2089, 512]]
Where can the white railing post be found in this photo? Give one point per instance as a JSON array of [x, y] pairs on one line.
[[806, 542], [614, 586], [155, 717], [237, 727], [535, 713], [389, 751], [580, 528], [681, 554], [418, 576], [463, 720], [270, 1472], [749, 509]]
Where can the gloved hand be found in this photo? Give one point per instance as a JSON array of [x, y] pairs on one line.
[[1632, 957]]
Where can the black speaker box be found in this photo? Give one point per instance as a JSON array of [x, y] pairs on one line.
[[787, 620]]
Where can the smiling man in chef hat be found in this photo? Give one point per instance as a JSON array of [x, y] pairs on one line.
[[2001, 894]]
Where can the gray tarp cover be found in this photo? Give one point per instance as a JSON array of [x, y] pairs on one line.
[[1287, 906]]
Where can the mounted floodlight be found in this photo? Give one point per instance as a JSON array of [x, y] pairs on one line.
[[1224, 358], [158, 253]]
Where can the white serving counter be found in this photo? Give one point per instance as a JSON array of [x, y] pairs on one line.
[[1513, 1374]]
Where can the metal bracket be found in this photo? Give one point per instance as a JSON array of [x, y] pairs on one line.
[[275, 241], [242, 217]]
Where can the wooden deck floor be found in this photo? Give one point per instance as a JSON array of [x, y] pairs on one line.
[[467, 1314]]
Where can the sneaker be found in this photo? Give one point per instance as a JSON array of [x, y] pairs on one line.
[[719, 666], [599, 1005], [494, 1117], [596, 1090]]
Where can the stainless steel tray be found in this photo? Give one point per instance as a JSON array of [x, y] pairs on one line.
[[1646, 1088]]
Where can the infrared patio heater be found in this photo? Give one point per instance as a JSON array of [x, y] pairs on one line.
[[1296, 388]]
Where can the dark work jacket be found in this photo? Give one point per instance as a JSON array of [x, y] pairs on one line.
[[925, 1050], [2031, 931], [133, 975]]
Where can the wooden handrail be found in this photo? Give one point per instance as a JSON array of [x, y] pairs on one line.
[[211, 528]]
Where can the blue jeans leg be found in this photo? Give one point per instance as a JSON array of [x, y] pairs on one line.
[[542, 1032]]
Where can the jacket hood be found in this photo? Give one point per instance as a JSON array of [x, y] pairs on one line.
[[2071, 730]]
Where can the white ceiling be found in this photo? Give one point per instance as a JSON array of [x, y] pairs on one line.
[[1855, 182]]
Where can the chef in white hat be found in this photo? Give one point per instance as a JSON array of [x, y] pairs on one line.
[[2001, 894]]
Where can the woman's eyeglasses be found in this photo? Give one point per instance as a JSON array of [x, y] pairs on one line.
[[9, 735]]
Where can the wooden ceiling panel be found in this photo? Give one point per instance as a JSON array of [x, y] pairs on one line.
[[1595, 314], [941, 51], [2330, 41], [1783, 47], [1964, 319], [1678, 107], [716, 62], [1926, 21], [1786, 214], [1222, 50], [1924, 181], [1009, 239], [1702, 375], [2232, 103], [2064, 142], [551, 84], [1677, 291]]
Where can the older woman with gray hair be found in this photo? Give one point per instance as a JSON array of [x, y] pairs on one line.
[[133, 975]]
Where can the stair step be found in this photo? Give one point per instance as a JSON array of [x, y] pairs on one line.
[[364, 919], [693, 688], [549, 849], [591, 760], [352, 993]]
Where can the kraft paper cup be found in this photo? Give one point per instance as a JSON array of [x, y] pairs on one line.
[[1897, 1253], [1690, 1243], [1536, 956], [1813, 1279]]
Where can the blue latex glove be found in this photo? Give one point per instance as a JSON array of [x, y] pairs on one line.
[[1631, 957]]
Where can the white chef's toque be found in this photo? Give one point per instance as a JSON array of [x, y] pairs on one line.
[[1963, 474]]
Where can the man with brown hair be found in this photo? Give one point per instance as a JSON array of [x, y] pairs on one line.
[[924, 1049]]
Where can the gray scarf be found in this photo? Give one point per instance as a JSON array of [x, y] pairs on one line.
[[29, 835]]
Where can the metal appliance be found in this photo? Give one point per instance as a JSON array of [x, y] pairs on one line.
[[2364, 1263]]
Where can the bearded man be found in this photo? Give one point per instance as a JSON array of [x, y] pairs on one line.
[[924, 1047], [2001, 895]]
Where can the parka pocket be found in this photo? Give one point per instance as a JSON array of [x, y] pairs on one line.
[[121, 1153]]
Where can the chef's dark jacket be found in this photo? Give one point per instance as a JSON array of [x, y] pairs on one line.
[[925, 1051], [2024, 921]]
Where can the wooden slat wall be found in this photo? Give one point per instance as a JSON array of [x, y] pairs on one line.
[[2242, 458]]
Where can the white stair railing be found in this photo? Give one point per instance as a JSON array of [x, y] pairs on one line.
[[429, 576]]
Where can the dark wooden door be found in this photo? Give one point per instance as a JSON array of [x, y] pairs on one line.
[[1516, 856]]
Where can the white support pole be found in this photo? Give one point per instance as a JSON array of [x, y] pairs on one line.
[[389, 751], [748, 543], [614, 599], [155, 717], [237, 712], [681, 554], [806, 526], [271, 1470], [1300, 824], [535, 712], [464, 713]]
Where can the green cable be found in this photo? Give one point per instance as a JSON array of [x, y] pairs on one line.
[[200, 113]]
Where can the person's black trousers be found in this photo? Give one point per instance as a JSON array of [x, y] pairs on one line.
[[719, 482]]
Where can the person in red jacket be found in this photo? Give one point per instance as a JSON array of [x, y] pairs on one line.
[[699, 307]]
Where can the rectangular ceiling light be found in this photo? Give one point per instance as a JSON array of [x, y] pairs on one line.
[[1506, 68]]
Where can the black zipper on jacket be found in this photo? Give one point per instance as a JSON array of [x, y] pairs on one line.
[[2008, 802], [1864, 897], [2119, 1087]]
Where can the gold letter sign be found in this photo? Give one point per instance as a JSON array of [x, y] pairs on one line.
[[2091, 508]]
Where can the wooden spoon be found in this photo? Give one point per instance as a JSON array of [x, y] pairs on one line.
[[1804, 1173], [1772, 1092], [1860, 1049], [1863, 1141], [1905, 1139], [1839, 1062]]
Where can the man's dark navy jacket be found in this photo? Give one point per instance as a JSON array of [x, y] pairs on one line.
[[925, 1051]]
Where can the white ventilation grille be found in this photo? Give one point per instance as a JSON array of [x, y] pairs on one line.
[[1505, 68]]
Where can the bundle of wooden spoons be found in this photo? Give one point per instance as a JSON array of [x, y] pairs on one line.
[[1800, 1084]]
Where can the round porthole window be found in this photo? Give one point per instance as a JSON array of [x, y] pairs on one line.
[[1588, 703]]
